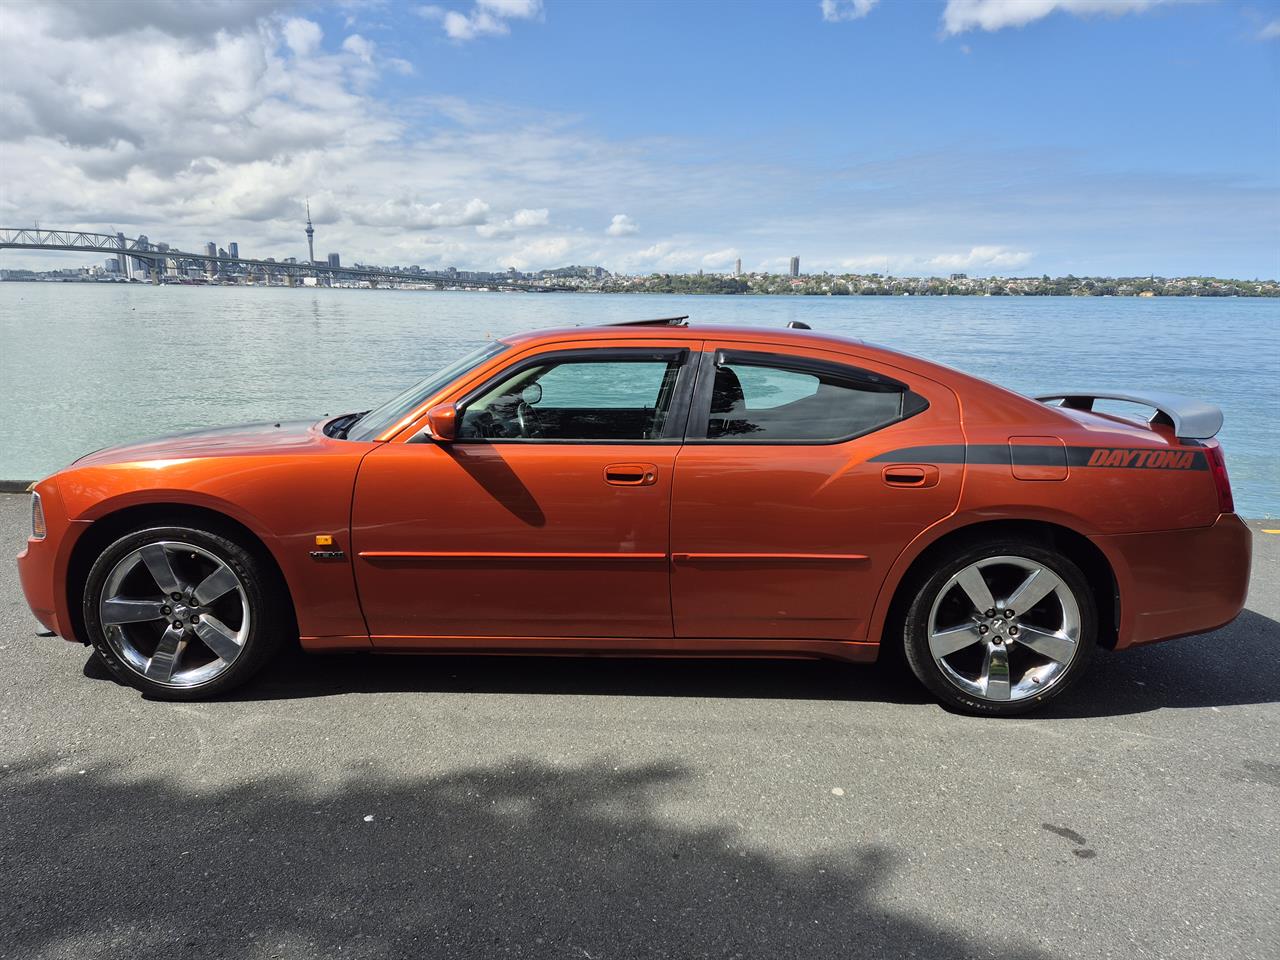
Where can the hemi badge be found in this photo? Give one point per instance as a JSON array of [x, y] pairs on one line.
[[328, 555]]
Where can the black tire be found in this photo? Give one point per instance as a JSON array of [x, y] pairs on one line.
[[915, 631], [268, 620]]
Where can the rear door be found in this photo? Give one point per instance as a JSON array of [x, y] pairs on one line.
[[792, 495]]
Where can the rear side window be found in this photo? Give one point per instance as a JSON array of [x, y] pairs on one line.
[[772, 398]]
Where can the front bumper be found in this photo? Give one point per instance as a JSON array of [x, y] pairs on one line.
[[1179, 582], [42, 565]]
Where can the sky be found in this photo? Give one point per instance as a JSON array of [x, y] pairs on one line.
[[992, 137]]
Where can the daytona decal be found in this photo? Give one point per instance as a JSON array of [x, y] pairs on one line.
[[1030, 454], [1148, 459]]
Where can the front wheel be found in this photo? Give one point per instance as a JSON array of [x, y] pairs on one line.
[[180, 613], [1001, 628]]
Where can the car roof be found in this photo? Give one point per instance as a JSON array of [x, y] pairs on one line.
[[675, 328]]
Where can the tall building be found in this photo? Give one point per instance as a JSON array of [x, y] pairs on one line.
[[139, 265], [795, 266], [334, 261], [311, 232], [737, 267], [233, 249], [211, 250], [122, 265]]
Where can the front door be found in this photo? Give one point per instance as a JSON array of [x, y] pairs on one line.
[[547, 517], [790, 502]]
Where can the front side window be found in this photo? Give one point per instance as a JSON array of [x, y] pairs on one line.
[[770, 398], [615, 396]]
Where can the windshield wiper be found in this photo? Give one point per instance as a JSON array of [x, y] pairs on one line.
[[341, 426]]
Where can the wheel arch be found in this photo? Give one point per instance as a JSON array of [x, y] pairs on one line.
[[1082, 551], [109, 527]]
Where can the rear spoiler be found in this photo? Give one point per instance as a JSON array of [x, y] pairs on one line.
[[1190, 419]]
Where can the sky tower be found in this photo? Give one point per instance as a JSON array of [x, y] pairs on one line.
[[311, 236]]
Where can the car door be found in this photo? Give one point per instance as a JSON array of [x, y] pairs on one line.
[[790, 503], [547, 516]]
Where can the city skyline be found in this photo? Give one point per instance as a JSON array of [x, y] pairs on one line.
[[915, 139]]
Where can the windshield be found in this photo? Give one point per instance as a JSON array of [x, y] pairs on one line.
[[380, 418]]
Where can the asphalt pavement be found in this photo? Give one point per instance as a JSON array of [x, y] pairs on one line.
[[570, 808]]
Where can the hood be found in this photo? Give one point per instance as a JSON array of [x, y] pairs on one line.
[[243, 440]]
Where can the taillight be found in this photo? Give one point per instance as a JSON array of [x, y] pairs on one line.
[[37, 518], [1221, 482]]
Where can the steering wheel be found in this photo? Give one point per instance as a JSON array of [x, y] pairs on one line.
[[527, 418]]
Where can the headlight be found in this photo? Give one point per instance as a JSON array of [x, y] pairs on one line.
[[37, 518]]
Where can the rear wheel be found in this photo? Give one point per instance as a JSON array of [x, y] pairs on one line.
[[181, 613], [1001, 628]]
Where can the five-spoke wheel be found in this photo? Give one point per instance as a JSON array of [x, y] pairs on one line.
[[177, 611], [1000, 628]]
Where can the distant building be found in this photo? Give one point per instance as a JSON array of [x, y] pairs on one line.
[[334, 260], [737, 267], [233, 249], [113, 265], [959, 276], [795, 266], [211, 250]]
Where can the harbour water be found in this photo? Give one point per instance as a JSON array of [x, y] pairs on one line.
[[83, 366]]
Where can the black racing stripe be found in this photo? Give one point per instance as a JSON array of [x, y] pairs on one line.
[[939, 453], [1051, 455]]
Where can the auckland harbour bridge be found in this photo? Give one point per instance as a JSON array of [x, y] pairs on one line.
[[142, 258]]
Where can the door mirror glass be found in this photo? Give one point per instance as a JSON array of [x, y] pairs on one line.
[[532, 393], [442, 420]]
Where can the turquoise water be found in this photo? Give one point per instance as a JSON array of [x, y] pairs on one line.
[[83, 366]]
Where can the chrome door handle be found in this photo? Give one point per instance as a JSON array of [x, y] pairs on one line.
[[631, 474]]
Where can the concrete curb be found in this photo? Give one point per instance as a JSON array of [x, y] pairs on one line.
[[16, 486]]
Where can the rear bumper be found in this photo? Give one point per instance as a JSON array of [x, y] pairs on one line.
[[1178, 582]]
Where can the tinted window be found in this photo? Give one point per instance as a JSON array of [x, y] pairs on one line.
[[578, 398], [771, 398]]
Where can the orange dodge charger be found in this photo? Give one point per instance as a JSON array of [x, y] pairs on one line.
[[656, 489]]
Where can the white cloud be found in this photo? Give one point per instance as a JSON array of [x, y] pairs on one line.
[[1271, 31], [413, 214], [525, 219], [621, 226], [361, 47], [962, 15], [833, 11], [980, 258], [485, 18], [302, 36], [721, 258]]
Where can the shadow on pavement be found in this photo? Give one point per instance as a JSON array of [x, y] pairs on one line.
[[1235, 665], [520, 859], [1239, 664]]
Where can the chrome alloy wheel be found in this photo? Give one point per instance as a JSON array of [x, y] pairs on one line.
[[174, 613], [1004, 628]]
